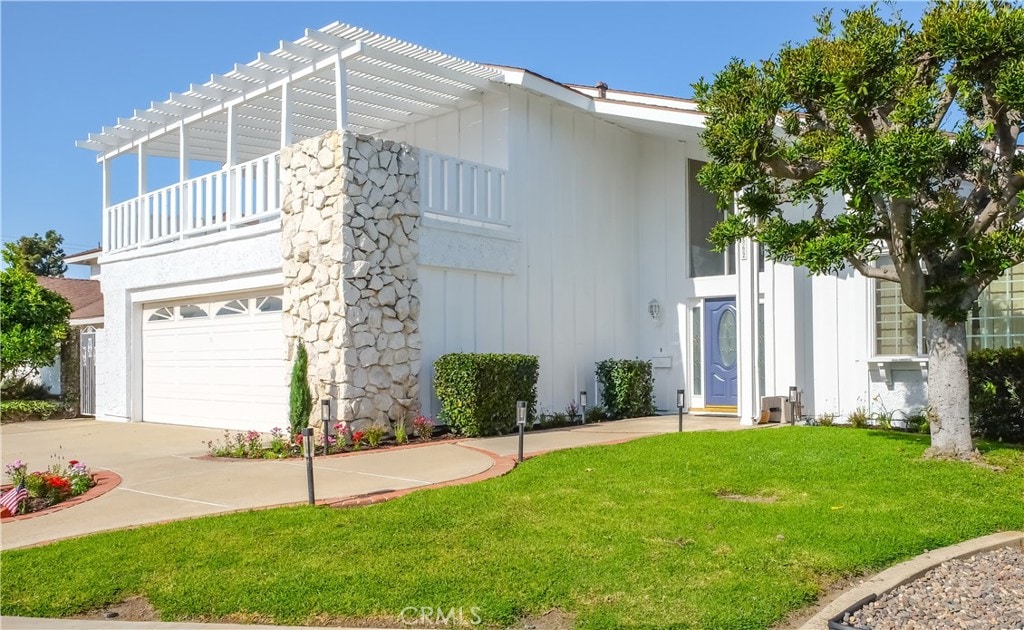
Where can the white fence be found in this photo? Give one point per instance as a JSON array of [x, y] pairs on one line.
[[240, 195]]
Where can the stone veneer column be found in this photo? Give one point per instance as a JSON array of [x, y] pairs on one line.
[[350, 230]]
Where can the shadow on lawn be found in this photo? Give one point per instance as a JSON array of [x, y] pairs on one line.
[[984, 447]]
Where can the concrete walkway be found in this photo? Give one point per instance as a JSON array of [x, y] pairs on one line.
[[162, 479]]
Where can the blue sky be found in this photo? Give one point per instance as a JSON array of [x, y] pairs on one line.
[[66, 69]]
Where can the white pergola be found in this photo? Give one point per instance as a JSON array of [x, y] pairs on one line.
[[339, 77]]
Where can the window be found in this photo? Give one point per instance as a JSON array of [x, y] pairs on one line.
[[996, 321], [760, 349], [191, 311], [703, 214], [234, 307], [898, 329], [698, 368], [161, 314], [269, 304]]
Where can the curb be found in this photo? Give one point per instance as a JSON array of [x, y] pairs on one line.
[[908, 571], [106, 480]]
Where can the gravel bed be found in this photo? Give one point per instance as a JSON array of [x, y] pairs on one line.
[[982, 592]]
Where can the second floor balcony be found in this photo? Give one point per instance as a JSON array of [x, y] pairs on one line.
[[336, 78]]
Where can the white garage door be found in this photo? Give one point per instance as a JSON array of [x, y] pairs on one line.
[[215, 362]]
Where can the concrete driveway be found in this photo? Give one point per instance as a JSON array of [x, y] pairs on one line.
[[162, 480]]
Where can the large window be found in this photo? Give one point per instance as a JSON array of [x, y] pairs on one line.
[[703, 215], [996, 321]]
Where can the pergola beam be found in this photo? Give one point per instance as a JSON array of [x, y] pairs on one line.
[[382, 82]]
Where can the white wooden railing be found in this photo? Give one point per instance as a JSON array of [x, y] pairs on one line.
[[451, 190], [461, 191], [240, 195]]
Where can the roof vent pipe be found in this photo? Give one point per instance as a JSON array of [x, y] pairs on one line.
[[602, 89]]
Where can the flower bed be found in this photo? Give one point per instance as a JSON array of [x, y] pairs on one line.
[[253, 445], [56, 484]]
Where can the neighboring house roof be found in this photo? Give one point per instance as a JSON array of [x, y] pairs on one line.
[[87, 257], [84, 295]]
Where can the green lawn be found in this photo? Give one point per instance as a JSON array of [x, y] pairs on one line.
[[623, 536]]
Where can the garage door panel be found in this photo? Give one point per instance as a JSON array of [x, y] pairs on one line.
[[226, 371]]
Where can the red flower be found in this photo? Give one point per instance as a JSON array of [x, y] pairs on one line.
[[72, 462]]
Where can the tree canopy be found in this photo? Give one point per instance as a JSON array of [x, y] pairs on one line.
[[41, 255], [33, 322], [916, 127]]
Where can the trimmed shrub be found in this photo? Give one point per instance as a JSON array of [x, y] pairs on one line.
[[21, 410], [627, 387], [300, 401], [478, 392], [997, 394]]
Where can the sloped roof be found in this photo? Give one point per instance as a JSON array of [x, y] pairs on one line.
[[84, 295]]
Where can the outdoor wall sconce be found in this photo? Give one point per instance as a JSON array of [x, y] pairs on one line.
[[654, 309]]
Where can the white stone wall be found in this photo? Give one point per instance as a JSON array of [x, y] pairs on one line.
[[350, 231]]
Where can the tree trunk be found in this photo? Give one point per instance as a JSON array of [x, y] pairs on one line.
[[948, 390]]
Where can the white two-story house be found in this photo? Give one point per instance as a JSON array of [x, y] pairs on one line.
[[385, 204]]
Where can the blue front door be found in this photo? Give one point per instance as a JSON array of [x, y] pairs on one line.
[[720, 352]]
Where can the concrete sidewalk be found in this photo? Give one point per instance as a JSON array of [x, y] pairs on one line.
[[162, 479]]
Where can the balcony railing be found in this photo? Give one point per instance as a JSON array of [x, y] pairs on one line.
[[463, 192], [232, 197], [451, 190]]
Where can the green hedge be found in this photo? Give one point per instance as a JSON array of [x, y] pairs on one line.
[[21, 410], [478, 392], [627, 387], [997, 394]]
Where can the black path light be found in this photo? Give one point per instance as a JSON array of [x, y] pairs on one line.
[[794, 398], [325, 418], [681, 403], [521, 421], [583, 407], [307, 450]]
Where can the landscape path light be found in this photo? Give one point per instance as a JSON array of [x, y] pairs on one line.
[[325, 418], [583, 407], [521, 421], [307, 450], [681, 403]]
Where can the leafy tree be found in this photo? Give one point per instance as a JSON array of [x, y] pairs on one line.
[[918, 128], [300, 402], [41, 255], [33, 322]]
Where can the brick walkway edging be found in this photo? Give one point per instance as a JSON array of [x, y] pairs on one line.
[[106, 480], [909, 571], [500, 465]]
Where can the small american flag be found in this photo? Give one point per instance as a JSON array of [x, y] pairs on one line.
[[12, 498]]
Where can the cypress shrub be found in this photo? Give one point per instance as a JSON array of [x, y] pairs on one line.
[[997, 394], [627, 387], [478, 392], [300, 401]]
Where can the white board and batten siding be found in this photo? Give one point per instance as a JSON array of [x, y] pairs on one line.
[[215, 362], [559, 282]]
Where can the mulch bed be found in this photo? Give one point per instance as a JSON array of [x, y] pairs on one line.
[[106, 480]]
